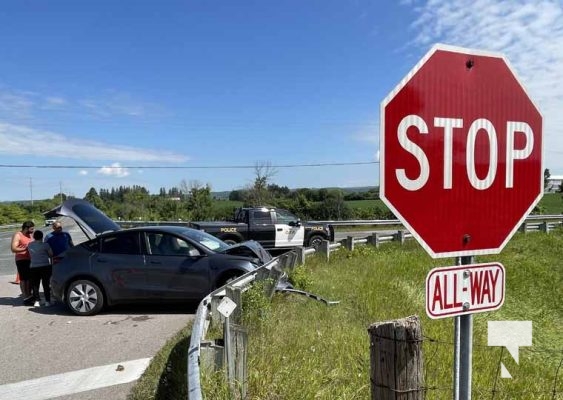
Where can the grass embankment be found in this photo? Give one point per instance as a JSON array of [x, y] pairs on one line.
[[165, 377], [302, 349]]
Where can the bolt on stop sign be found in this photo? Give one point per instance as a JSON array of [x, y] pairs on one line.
[[461, 152]]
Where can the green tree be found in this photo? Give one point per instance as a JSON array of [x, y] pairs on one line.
[[546, 176], [200, 202], [258, 193], [93, 198]]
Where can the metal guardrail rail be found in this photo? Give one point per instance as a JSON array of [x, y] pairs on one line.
[[356, 222]]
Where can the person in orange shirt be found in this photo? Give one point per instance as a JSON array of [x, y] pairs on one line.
[[20, 240]]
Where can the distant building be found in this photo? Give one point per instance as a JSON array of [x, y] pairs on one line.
[[554, 183]]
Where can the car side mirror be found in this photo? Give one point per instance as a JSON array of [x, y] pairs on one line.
[[295, 223]]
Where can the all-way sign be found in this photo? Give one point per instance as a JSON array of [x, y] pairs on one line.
[[464, 289]]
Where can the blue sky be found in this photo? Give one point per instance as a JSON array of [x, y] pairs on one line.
[[191, 84]]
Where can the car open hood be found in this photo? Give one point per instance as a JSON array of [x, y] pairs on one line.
[[249, 248], [91, 220]]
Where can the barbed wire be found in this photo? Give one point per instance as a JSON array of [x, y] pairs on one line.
[[494, 391]]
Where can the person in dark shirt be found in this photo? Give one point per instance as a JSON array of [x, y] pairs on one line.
[[58, 240]]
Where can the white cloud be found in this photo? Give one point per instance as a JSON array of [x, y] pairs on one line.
[[530, 34], [119, 104], [17, 140], [54, 102], [83, 172], [114, 170]]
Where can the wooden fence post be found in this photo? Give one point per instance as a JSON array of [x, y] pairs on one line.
[[396, 360], [523, 227]]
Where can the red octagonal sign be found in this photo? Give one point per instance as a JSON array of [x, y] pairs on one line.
[[461, 152]]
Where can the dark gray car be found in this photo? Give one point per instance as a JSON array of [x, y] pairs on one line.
[[144, 264]]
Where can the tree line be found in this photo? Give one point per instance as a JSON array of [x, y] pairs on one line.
[[193, 201]]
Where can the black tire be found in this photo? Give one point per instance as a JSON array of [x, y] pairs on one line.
[[84, 297], [315, 241], [230, 242]]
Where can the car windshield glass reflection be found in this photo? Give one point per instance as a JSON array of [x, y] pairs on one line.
[[205, 239]]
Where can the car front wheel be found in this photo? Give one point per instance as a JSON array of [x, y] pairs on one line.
[[84, 297]]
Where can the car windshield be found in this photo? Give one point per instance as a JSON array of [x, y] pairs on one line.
[[205, 239]]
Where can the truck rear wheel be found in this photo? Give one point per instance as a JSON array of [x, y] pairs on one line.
[[315, 241]]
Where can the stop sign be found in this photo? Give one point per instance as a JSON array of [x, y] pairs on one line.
[[461, 152]]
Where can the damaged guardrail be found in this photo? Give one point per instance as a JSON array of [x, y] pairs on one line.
[[208, 308]]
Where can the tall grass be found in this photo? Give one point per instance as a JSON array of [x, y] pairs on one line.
[[303, 349]]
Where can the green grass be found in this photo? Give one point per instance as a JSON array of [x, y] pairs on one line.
[[165, 377], [366, 204], [552, 203], [226, 204], [303, 349]]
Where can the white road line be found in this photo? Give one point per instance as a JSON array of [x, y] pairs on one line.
[[49, 387]]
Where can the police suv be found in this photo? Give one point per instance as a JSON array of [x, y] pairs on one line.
[[273, 228]]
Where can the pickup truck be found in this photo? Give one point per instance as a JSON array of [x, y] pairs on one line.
[[273, 228]]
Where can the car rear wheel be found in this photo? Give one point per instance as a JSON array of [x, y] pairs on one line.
[[230, 242], [84, 297]]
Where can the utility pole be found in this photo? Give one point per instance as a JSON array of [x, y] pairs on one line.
[[31, 190], [61, 192]]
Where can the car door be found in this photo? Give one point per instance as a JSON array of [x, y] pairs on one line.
[[289, 233], [120, 266], [175, 268], [262, 227]]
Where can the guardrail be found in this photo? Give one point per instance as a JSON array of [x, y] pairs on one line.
[[557, 219], [207, 311], [208, 308]]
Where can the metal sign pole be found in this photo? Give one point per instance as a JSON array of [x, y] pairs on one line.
[[463, 347]]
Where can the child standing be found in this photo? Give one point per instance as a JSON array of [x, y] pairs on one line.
[[40, 268]]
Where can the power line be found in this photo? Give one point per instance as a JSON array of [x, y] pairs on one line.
[[185, 167]]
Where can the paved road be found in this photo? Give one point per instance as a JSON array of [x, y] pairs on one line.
[[49, 352]]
